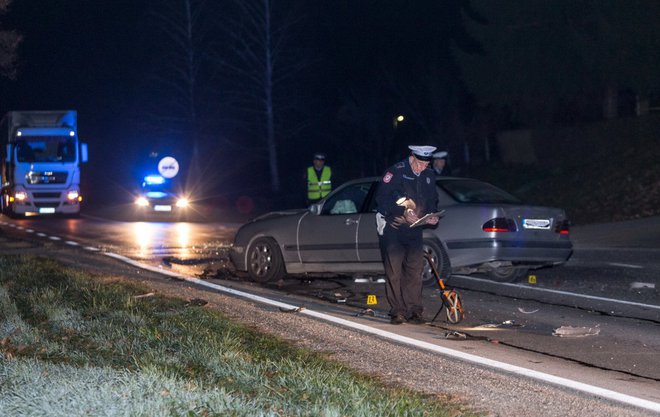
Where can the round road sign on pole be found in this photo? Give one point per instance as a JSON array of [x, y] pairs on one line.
[[168, 167]]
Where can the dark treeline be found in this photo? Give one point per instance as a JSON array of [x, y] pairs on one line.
[[247, 91]]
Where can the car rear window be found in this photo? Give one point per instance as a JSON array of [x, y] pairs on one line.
[[473, 191]]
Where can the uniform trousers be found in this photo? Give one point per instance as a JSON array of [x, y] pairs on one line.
[[403, 258]]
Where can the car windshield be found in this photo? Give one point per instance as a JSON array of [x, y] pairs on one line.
[[473, 191], [46, 149]]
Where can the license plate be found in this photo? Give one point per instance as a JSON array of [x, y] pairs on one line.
[[47, 210], [542, 224], [162, 208]]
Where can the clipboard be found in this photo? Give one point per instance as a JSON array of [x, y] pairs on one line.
[[422, 220]]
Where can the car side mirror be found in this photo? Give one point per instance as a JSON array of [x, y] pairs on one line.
[[315, 208]]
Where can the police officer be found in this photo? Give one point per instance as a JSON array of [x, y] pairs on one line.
[[319, 179], [405, 193], [439, 162]]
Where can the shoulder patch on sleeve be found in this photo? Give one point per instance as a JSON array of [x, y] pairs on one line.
[[400, 164], [388, 177]]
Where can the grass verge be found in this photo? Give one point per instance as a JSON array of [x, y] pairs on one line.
[[74, 345]]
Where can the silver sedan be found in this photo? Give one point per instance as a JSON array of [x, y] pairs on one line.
[[483, 230]]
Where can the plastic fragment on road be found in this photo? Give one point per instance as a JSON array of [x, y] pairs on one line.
[[372, 313], [455, 335], [570, 331], [522, 310], [292, 310], [642, 285]]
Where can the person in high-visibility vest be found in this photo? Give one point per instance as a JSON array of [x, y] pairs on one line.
[[319, 179]]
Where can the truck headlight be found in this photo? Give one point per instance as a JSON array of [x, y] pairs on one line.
[[182, 202], [72, 195], [20, 195], [142, 202]]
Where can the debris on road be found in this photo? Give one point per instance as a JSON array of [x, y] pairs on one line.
[[570, 331], [522, 310], [455, 335], [292, 310]]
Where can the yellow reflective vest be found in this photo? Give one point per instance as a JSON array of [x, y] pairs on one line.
[[317, 188]]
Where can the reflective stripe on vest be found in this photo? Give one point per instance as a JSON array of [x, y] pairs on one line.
[[318, 188]]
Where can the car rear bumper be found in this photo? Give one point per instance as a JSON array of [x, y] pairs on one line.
[[478, 251]]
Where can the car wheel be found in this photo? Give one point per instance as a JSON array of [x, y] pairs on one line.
[[507, 273], [440, 259], [264, 261]]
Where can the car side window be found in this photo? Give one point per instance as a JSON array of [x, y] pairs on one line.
[[348, 200]]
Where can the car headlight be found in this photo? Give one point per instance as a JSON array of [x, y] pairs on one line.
[[20, 195], [182, 202], [142, 202]]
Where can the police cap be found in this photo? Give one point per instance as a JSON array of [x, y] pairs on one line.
[[423, 153]]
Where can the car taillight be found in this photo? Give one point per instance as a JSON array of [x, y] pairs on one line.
[[499, 224], [563, 227]]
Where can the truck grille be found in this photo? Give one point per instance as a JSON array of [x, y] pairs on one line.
[[46, 195], [47, 177]]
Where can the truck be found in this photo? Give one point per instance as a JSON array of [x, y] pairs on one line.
[[41, 163]]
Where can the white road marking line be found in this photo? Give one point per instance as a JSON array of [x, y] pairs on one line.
[[20, 227], [625, 265], [41, 234], [518, 370], [54, 238], [71, 242], [572, 294], [93, 249], [29, 230]]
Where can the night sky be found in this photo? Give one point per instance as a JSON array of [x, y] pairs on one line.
[[347, 69]]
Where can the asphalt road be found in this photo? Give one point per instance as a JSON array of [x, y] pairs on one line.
[[605, 299]]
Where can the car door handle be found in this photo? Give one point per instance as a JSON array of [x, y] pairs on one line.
[[349, 222]]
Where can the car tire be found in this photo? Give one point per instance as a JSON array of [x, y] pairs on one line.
[[441, 260], [264, 261], [507, 273]]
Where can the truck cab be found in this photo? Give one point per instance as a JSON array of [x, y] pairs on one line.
[[41, 163]]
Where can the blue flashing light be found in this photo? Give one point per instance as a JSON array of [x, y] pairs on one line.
[[154, 180], [156, 194]]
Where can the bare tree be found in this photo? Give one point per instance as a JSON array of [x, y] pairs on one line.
[[183, 40], [261, 64], [9, 41]]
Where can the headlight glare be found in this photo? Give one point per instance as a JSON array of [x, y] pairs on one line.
[[182, 202], [142, 202]]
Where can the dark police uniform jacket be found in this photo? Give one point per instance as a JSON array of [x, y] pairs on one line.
[[400, 181]]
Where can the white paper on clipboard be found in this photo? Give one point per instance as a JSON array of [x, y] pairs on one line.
[[422, 220]]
